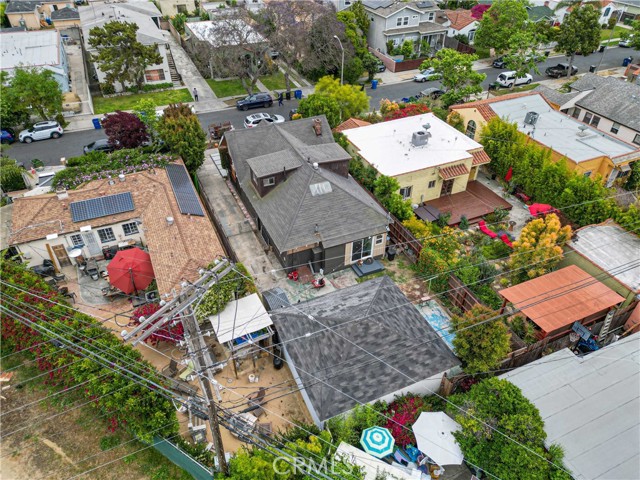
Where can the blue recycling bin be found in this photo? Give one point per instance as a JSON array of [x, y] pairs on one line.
[[298, 94], [96, 123], [374, 84], [626, 61]]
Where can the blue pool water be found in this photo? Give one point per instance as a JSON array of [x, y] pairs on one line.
[[438, 319]]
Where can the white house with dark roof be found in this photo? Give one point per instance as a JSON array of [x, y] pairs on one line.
[[397, 21]]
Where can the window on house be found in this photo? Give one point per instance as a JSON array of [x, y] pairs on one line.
[[607, 11], [130, 228], [76, 240], [414, 16], [587, 117], [471, 34], [399, 22], [181, 8], [432, 15], [361, 249], [595, 121], [636, 139], [379, 239], [615, 128], [576, 113], [154, 75], [406, 192], [587, 173], [405, 21], [106, 235], [471, 129], [267, 182], [432, 184]]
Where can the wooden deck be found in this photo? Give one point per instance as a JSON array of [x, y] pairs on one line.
[[474, 203]]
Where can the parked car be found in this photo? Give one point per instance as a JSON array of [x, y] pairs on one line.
[[426, 75], [500, 62], [255, 101], [41, 131], [256, 119], [626, 43], [432, 92], [101, 145], [560, 70], [8, 136], [380, 67], [509, 79]]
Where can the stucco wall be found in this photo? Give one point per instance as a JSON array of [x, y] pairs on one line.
[[624, 133], [419, 181], [31, 20], [428, 386], [170, 7]]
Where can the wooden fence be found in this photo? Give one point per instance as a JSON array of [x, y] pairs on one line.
[[460, 295], [450, 42]]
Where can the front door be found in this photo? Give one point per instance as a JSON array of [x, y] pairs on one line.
[[61, 254], [92, 244], [447, 187]]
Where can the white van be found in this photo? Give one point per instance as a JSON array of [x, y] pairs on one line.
[[508, 79]]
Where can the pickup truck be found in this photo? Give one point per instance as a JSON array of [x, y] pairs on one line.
[[560, 70]]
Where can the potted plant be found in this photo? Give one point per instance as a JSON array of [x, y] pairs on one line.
[[37, 164]]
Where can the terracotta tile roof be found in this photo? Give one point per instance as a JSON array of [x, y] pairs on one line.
[[460, 18], [351, 123], [453, 171], [484, 106], [480, 157], [177, 251], [559, 298]]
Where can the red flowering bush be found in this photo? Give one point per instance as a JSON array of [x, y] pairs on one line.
[[407, 110], [404, 411], [167, 333]]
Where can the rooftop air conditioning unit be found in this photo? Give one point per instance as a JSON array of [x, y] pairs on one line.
[[531, 118]]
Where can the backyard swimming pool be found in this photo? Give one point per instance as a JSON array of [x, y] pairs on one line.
[[438, 319]]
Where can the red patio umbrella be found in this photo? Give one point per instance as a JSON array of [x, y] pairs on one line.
[[537, 209], [509, 175], [131, 270]]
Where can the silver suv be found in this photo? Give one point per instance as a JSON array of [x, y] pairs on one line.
[[41, 131]]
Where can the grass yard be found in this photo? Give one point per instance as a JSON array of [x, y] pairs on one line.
[[505, 91], [128, 102], [617, 32], [482, 53], [275, 81], [226, 88]]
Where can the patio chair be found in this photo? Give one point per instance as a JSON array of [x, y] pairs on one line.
[[171, 370], [187, 371], [265, 428], [400, 456], [413, 453], [64, 291]]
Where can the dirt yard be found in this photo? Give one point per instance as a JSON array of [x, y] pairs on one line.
[[61, 447]]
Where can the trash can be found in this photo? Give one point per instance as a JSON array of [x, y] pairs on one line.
[[298, 94], [362, 87], [374, 84], [601, 49], [288, 95], [391, 253], [626, 61], [592, 69], [96, 123]]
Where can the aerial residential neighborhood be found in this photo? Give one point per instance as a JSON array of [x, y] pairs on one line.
[[320, 239]]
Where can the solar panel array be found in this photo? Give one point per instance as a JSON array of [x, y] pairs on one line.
[[183, 190], [101, 207]]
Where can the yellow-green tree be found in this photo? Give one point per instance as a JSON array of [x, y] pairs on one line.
[[351, 99], [538, 249]]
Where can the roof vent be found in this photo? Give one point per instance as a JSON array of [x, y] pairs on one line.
[[62, 193], [169, 221], [531, 118], [582, 131], [315, 165], [317, 126], [121, 177]]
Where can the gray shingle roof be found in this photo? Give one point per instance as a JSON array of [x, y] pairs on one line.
[[65, 14], [273, 163], [554, 96], [612, 98], [374, 315], [22, 6], [290, 211]]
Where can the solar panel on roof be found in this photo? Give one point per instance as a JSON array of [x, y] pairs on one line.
[[183, 190], [101, 207]]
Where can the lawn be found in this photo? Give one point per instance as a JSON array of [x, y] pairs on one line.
[[505, 91], [227, 88], [128, 102], [617, 31], [275, 81]]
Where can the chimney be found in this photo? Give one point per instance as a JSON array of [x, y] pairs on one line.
[[317, 126], [61, 192], [121, 177]]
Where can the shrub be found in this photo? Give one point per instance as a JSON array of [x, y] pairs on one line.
[[464, 223], [236, 283], [11, 175], [524, 329], [107, 88], [349, 426], [403, 413]]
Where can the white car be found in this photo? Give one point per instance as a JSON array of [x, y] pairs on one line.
[[509, 79], [40, 131], [426, 75], [256, 119], [626, 43]]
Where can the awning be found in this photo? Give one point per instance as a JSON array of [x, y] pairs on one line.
[[625, 168], [427, 213], [454, 171], [240, 318], [480, 158]]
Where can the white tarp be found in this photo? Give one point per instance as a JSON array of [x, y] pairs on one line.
[[371, 466], [249, 315]]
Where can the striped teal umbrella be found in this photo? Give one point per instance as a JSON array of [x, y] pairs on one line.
[[377, 441]]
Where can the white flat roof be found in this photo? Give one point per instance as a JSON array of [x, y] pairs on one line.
[[31, 48], [239, 318], [371, 466], [387, 145], [590, 406], [559, 131]]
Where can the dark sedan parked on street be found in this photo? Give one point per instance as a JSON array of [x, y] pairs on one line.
[[256, 100]]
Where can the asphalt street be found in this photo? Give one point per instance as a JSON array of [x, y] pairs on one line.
[[70, 144]]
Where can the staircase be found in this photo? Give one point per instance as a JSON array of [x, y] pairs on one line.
[[173, 71]]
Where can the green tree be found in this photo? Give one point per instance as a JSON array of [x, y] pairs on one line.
[[500, 23], [538, 249], [480, 342], [353, 70], [386, 190], [633, 182], [145, 109], [316, 104], [579, 32], [11, 175], [406, 49], [361, 17], [180, 129], [633, 35], [34, 93], [497, 405], [459, 79], [350, 98], [353, 32], [120, 55]]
